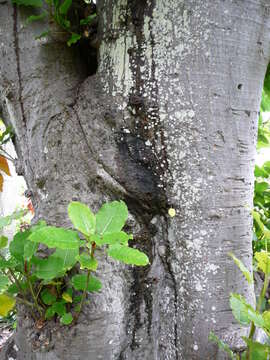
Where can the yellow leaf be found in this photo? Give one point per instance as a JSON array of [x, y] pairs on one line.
[[4, 165], [6, 304], [67, 297], [1, 182]]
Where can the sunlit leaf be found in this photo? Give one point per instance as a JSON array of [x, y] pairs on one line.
[[55, 237], [82, 218], [6, 304], [243, 269], [66, 319], [111, 217], [128, 255]]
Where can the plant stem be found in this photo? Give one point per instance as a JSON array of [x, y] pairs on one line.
[[33, 294], [83, 295], [258, 308]]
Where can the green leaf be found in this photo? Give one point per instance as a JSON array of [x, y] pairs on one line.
[[73, 39], [266, 319], [87, 262], [260, 187], [88, 19], [5, 221], [50, 312], [49, 268], [29, 249], [47, 297], [261, 172], [113, 238], [66, 296], [263, 259], [257, 350], [7, 303], [128, 255], [82, 218], [55, 237], [10, 263], [63, 9], [111, 217], [39, 17], [243, 312], [257, 218], [4, 282], [68, 256], [59, 307], [242, 268], [3, 242], [221, 345], [79, 283], [18, 243], [66, 319], [33, 3]]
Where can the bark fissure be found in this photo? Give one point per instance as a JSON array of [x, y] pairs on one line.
[[18, 64]]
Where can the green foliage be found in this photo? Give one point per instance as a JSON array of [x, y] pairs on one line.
[[243, 269], [61, 13], [222, 345], [47, 280]]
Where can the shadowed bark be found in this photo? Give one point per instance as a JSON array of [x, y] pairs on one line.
[[168, 121]]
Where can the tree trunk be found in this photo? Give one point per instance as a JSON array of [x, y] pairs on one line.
[[167, 121]]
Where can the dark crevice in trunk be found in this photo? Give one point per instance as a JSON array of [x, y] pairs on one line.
[[17, 56]]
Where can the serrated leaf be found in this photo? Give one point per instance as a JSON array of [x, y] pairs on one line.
[[33, 3], [4, 282], [55, 237], [47, 297], [66, 296], [3, 241], [263, 259], [6, 304], [49, 268], [66, 319], [87, 262], [68, 256], [82, 218], [111, 217], [73, 39], [242, 268], [79, 283], [128, 255], [113, 238]]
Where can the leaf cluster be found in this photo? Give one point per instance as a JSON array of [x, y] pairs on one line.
[[46, 285]]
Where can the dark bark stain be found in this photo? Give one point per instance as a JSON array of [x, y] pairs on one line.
[[17, 55]]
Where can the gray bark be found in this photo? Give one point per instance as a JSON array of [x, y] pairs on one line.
[[168, 121]]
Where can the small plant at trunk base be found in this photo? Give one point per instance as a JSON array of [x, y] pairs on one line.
[[45, 284], [247, 315]]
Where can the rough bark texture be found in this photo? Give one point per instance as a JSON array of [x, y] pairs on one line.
[[169, 120]]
